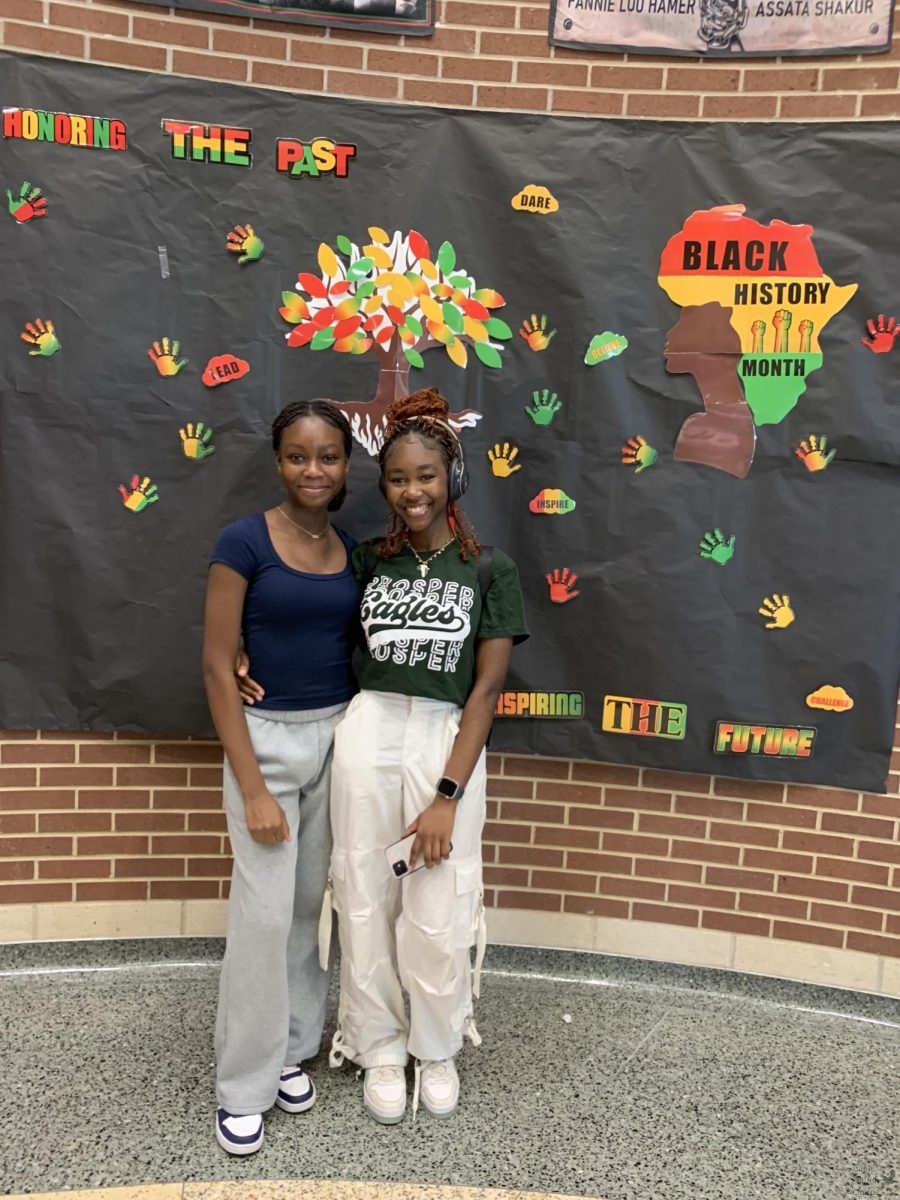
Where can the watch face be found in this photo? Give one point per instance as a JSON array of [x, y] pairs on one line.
[[449, 788]]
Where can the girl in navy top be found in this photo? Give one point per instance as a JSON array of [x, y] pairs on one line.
[[281, 581]]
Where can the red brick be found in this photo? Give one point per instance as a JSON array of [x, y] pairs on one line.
[[849, 869], [743, 835], [18, 822], [23, 10], [595, 906], [514, 45], [552, 73], [735, 922], [570, 793], [871, 897], [638, 104], [43, 39], [521, 810], [523, 99], [149, 868], [249, 45], [461, 41], [494, 831], [860, 79], [496, 70], [113, 798], [494, 764], [857, 825], [602, 818], [778, 860], [563, 881], [517, 789], [749, 789], [533, 856], [797, 79], [665, 868], [184, 889], [754, 881], [74, 822], [185, 843], [17, 868], [188, 752], [75, 868], [791, 931], [18, 777], [822, 797], [76, 776], [888, 852], [537, 901], [533, 18], [151, 822], [710, 806], [634, 798], [114, 752], [128, 54], [581, 839], [186, 799], [626, 78], [836, 914], [626, 885], [595, 104], [282, 75], [702, 897], [583, 772], [212, 66], [627, 843], [111, 890], [89, 20], [781, 814], [668, 914], [403, 63], [32, 799], [774, 906], [702, 79], [36, 893], [874, 106], [706, 852], [675, 781], [151, 776], [15, 847], [207, 868], [113, 844], [869, 943], [326, 54], [816, 843], [212, 822], [37, 752], [381, 87], [819, 889], [480, 15], [510, 876], [881, 806], [607, 864], [206, 777], [171, 33], [686, 827]]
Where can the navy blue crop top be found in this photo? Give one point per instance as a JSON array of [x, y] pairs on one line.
[[299, 629]]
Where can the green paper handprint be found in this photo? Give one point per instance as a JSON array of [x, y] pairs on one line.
[[714, 546], [545, 407], [638, 454], [29, 205], [42, 334], [195, 441], [243, 241]]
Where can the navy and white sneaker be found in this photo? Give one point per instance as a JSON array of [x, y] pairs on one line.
[[296, 1091], [239, 1135]]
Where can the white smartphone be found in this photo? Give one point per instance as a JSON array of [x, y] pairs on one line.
[[398, 857]]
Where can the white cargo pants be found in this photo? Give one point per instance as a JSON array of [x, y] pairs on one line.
[[390, 751]]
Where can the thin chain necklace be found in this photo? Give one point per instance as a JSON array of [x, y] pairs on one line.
[[308, 532], [424, 563]]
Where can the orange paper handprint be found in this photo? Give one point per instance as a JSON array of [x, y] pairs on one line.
[[534, 332], [561, 582]]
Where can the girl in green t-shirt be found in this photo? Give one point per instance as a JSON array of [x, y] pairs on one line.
[[410, 760]]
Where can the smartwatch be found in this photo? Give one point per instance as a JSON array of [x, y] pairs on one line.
[[450, 788]]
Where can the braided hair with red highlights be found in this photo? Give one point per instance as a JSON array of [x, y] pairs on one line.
[[424, 413]]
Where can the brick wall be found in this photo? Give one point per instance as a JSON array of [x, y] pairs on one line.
[[88, 817]]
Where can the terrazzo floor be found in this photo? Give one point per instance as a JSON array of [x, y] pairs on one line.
[[598, 1076]]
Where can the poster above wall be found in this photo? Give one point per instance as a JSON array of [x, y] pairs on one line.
[[412, 18], [669, 351], [731, 28]]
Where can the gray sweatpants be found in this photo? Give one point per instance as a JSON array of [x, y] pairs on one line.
[[272, 991]]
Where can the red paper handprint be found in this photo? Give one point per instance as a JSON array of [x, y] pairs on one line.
[[881, 334], [561, 582]]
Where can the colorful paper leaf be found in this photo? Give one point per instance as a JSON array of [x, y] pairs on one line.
[[328, 263], [446, 258], [475, 329], [488, 354], [456, 352], [414, 358], [418, 245], [323, 339], [313, 284], [453, 318], [497, 328], [488, 297], [344, 244], [377, 234]]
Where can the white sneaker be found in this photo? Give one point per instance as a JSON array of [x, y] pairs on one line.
[[384, 1094], [438, 1085], [239, 1135], [296, 1091]]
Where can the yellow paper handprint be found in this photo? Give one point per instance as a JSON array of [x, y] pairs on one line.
[[811, 452], [41, 333], [164, 354], [778, 608], [195, 441], [535, 332], [502, 460]]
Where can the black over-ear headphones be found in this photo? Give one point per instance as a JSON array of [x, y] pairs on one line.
[[457, 473]]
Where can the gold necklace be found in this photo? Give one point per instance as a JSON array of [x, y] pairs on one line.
[[425, 562], [308, 532]]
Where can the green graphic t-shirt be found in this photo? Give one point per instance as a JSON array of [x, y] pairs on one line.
[[421, 633]]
